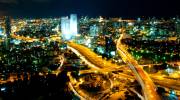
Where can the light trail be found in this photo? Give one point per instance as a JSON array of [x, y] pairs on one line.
[[149, 89]]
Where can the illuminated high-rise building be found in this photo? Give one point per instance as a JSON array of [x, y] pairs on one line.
[[177, 25], [7, 26], [1, 27], [94, 30], [73, 24], [69, 26], [7, 22], [65, 28]]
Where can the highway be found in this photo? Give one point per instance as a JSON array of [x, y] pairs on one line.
[[81, 95], [98, 64], [58, 70], [92, 59], [149, 89], [101, 65], [165, 82]]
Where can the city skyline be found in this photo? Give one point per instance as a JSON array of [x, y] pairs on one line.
[[109, 59], [89, 50]]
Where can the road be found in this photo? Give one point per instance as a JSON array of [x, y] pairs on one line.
[[58, 70], [84, 95], [149, 89], [81, 95], [165, 82], [92, 59], [84, 53], [99, 64]]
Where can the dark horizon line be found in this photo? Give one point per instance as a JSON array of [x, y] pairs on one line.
[[94, 16]]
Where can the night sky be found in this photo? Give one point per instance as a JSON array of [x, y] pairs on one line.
[[92, 8]]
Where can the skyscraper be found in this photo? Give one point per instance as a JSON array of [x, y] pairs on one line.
[[65, 28], [69, 26], [177, 25], [7, 26], [94, 30], [7, 22], [73, 24]]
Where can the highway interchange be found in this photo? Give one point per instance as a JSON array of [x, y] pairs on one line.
[[98, 64]]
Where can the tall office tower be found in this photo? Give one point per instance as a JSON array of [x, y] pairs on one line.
[[1, 27], [178, 29], [177, 25], [7, 22], [65, 28], [73, 24], [7, 26], [69, 26], [94, 30], [109, 46]]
